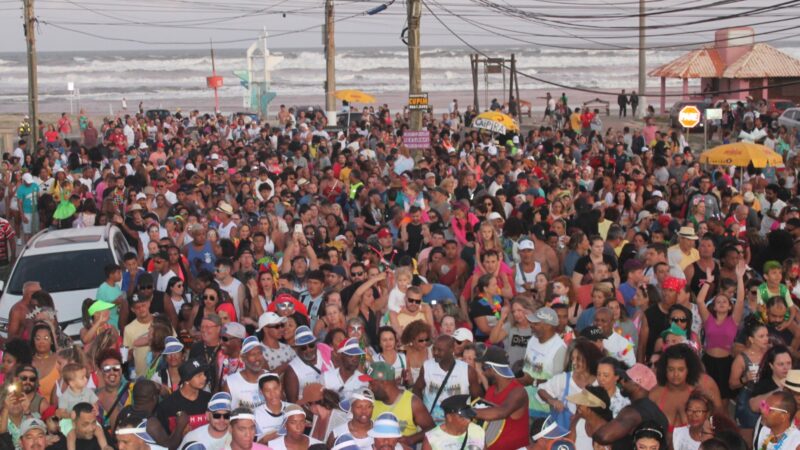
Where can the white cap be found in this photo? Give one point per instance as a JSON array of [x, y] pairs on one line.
[[463, 334], [141, 196], [270, 318], [27, 178], [749, 197], [526, 244], [494, 215], [662, 206], [214, 156], [658, 194], [190, 167]]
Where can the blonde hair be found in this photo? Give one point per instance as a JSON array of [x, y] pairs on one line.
[[71, 370]]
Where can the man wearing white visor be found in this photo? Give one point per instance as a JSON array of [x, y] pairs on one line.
[[386, 433], [216, 434], [243, 431], [360, 405], [132, 434]]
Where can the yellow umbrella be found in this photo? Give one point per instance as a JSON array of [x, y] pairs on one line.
[[741, 154], [354, 96], [496, 122]]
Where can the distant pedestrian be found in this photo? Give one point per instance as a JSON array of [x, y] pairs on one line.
[[634, 101], [622, 101]]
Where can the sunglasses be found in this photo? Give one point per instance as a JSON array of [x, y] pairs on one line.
[[226, 338], [226, 416], [305, 347], [357, 274], [145, 287], [417, 301], [424, 341], [31, 379], [678, 319], [115, 368], [209, 297], [285, 305], [765, 408], [275, 327]]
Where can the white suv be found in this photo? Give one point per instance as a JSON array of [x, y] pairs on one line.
[[69, 264]]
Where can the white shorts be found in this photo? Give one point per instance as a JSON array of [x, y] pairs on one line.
[[27, 226]]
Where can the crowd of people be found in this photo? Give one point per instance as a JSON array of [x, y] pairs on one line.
[[293, 286]]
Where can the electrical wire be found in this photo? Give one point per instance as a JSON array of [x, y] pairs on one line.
[[576, 88]]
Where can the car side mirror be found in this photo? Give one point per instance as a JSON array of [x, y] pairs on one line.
[[2, 285]]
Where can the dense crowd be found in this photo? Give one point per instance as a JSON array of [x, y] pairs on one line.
[[296, 286]]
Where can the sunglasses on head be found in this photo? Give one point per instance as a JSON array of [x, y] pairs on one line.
[[109, 368]]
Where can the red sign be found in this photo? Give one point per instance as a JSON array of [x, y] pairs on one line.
[[214, 82], [417, 139]]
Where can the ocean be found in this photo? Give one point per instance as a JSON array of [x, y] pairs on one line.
[[171, 78]]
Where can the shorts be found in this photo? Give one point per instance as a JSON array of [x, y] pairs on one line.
[[27, 227]]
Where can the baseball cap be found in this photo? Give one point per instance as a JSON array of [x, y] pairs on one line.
[[172, 346], [633, 264], [642, 375], [526, 244], [458, 404], [303, 335], [250, 343], [378, 371], [234, 330], [27, 178], [384, 233], [100, 305], [32, 424], [221, 401], [190, 368], [496, 358], [592, 333], [386, 425], [643, 214], [544, 315], [350, 347], [494, 215], [270, 318], [463, 334]]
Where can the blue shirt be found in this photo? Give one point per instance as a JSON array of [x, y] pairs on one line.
[[628, 292], [26, 193], [126, 279], [585, 320]]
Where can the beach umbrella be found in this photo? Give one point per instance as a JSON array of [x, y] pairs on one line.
[[354, 96], [742, 154], [496, 122]]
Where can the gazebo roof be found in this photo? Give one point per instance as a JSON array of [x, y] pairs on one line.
[[700, 63], [761, 61]]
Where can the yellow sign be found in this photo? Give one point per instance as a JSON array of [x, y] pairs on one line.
[[418, 102]]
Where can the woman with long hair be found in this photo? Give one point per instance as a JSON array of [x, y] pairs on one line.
[[513, 329], [416, 339], [609, 372], [174, 298], [486, 306], [775, 366], [43, 342], [744, 372], [580, 371]]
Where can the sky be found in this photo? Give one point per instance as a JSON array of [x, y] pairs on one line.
[[118, 25]]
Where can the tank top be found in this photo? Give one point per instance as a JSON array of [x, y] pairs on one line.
[[457, 384], [700, 274], [202, 259], [441, 440], [515, 431], [364, 443], [405, 318], [648, 411], [307, 374], [225, 230], [401, 408], [243, 392], [719, 335]]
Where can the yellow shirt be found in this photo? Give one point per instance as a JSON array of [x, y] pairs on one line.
[[401, 409], [575, 122]]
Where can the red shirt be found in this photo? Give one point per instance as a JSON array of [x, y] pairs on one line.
[[515, 431]]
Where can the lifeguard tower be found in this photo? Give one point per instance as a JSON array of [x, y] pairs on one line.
[[256, 79]]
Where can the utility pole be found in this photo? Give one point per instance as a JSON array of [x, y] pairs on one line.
[[642, 63], [414, 69], [330, 64], [29, 28]]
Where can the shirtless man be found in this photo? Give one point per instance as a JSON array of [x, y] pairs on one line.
[[450, 270], [679, 372], [17, 323], [544, 254]]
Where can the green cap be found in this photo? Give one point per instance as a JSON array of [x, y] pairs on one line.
[[673, 329], [378, 371], [769, 265], [100, 305]]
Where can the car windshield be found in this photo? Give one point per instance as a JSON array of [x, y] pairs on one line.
[[59, 272], [783, 105]]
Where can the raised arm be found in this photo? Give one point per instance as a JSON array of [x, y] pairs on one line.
[[703, 295], [738, 308]]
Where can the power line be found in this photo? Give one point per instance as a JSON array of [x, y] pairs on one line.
[[577, 88]]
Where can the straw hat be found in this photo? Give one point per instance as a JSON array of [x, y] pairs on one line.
[[225, 207], [687, 233]]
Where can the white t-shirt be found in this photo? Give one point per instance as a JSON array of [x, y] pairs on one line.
[[792, 439], [363, 443], [267, 422], [278, 444], [201, 435], [557, 386], [620, 348]]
